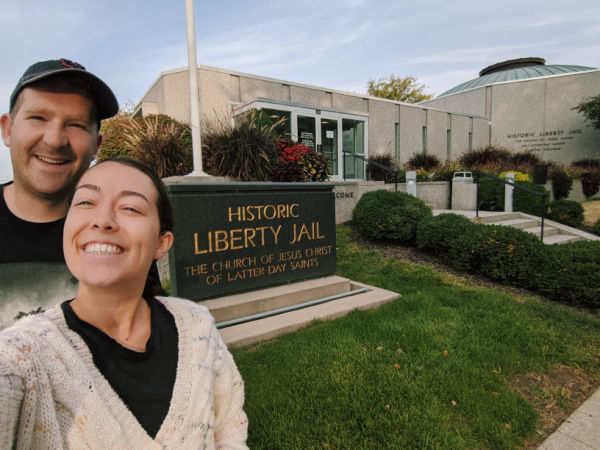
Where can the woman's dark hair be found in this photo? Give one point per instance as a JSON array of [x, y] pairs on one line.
[[165, 218]]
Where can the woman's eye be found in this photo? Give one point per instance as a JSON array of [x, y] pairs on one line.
[[131, 209], [83, 203]]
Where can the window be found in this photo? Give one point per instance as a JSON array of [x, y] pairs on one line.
[[470, 141], [397, 143], [284, 128], [424, 139], [306, 131], [448, 144]]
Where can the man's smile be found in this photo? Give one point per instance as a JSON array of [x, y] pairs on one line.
[[51, 160]]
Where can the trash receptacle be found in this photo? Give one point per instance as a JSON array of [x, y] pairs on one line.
[[540, 174], [464, 192]]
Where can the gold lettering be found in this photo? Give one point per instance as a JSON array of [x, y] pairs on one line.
[[234, 239], [221, 243], [238, 214]]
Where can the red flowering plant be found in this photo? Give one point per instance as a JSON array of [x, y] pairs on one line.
[[298, 162]]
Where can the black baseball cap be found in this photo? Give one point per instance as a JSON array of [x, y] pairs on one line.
[[105, 100]]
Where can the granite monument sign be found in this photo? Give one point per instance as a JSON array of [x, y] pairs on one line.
[[232, 237]]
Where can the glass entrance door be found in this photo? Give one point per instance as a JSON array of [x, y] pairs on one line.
[[329, 143], [353, 132]]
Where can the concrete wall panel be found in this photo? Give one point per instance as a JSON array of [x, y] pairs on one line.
[[412, 120]]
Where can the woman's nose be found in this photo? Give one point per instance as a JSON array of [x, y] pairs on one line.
[[104, 220]]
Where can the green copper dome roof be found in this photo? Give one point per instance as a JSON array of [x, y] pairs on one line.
[[515, 69]]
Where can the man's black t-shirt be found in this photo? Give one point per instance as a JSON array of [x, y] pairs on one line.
[[144, 381], [24, 241]]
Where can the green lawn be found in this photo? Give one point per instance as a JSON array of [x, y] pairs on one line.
[[429, 370]]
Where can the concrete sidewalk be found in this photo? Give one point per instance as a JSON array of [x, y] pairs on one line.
[[580, 431]]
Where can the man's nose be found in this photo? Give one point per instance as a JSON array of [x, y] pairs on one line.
[[55, 135]]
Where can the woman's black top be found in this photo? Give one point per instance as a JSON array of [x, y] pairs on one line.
[[144, 381]]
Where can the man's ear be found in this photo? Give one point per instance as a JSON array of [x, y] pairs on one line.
[[164, 244], [98, 144], [6, 123]]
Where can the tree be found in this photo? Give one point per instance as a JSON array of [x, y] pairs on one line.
[[403, 89], [590, 108]]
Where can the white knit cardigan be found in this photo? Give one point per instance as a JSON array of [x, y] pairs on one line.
[[52, 396]]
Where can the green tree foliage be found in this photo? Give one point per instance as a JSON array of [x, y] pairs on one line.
[[590, 108], [396, 88]]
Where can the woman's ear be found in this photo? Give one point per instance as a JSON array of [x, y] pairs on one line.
[[165, 241]]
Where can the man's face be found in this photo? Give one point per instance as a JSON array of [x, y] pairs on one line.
[[52, 139]]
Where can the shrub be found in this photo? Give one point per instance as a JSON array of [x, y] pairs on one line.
[[508, 254], [491, 197], [423, 161], [445, 172], [524, 159], [246, 151], [314, 166], [567, 273], [571, 273], [298, 162], [375, 173], [159, 141], [561, 183], [590, 183], [587, 163], [519, 176], [476, 158], [566, 212], [437, 234], [389, 215], [596, 227]]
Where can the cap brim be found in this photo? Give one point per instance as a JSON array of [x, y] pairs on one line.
[[106, 101]]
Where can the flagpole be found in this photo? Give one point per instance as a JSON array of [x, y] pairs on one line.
[[194, 97]]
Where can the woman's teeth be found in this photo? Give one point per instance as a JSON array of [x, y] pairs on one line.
[[103, 249]]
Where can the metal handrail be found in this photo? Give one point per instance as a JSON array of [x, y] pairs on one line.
[[368, 161], [514, 185]]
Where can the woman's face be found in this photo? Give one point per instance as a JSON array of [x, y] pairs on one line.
[[112, 228]]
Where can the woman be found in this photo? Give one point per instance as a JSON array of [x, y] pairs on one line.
[[115, 367]]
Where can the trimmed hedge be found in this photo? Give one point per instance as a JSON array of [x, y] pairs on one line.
[[567, 273], [389, 215], [566, 212], [491, 197]]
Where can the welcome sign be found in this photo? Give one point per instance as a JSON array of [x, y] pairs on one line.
[[232, 237]]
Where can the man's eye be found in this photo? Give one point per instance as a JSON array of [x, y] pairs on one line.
[[36, 118], [80, 126]]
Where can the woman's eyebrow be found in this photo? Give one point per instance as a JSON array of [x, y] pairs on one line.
[[137, 194], [93, 187]]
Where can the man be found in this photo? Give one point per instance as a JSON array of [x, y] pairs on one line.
[[53, 133]]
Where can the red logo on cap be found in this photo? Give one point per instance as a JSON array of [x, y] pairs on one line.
[[62, 61]]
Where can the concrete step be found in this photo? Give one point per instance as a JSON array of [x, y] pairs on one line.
[[256, 302], [515, 223], [271, 327], [499, 217], [560, 238], [548, 231]]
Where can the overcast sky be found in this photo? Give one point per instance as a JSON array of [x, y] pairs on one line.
[[338, 44]]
